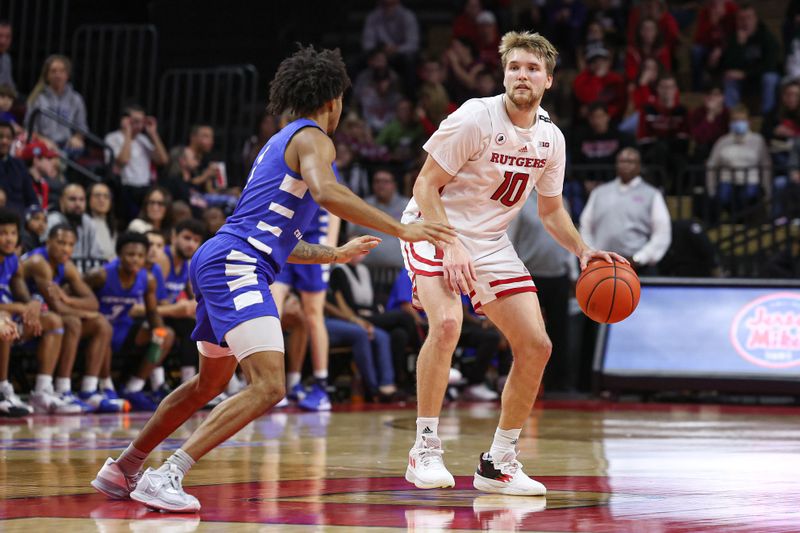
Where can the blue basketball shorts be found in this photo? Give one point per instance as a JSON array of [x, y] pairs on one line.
[[306, 278]]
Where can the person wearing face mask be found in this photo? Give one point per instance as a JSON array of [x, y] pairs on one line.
[[739, 168]]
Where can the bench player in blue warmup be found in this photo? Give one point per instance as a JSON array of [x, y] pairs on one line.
[[237, 321]]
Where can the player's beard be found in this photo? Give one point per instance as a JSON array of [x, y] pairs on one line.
[[524, 101]]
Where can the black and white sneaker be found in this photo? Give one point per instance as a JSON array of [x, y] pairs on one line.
[[505, 476], [9, 410]]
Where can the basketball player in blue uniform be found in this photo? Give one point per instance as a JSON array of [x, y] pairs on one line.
[[237, 321], [311, 281], [48, 268], [120, 285], [16, 300]]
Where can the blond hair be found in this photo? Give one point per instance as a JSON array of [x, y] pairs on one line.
[[43, 77], [531, 42]]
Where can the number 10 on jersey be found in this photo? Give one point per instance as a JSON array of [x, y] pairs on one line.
[[510, 191]]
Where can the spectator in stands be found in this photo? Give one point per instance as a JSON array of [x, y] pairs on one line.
[[791, 202], [214, 218], [385, 198], [663, 133], [54, 93], [598, 83], [593, 37], [403, 134], [377, 91], [641, 92], [487, 84], [35, 229], [86, 251], [750, 61], [628, 216], [716, 24], [611, 15], [351, 297], [691, 254], [791, 40], [488, 41], [462, 66], [156, 212], [739, 167], [54, 279], [267, 127], [433, 106], [105, 224], [395, 29], [358, 136], [551, 265], [15, 180], [137, 146], [648, 43], [7, 96], [352, 172], [43, 166], [707, 123], [180, 212], [565, 21], [466, 23], [656, 10], [782, 125], [6, 72]]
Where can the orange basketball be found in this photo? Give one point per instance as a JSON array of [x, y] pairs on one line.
[[606, 292]]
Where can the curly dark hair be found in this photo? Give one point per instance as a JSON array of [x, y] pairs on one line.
[[306, 80]]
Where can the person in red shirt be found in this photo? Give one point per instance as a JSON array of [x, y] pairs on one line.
[[648, 44], [598, 83], [716, 24], [707, 123], [657, 10], [663, 134]]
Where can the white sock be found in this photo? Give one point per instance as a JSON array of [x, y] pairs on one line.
[[134, 384], [89, 384], [131, 460], [187, 373], [182, 460], [63, 385], [292, 379], [106, 384], [44, 383], [5, 384], [505, 440], [428, 428], [321, 374], [157, 377]]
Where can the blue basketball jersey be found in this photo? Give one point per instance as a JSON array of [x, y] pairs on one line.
[[58, 275], [116, 301], [175, 282], [161, 285], [275, 207], [8, 268]]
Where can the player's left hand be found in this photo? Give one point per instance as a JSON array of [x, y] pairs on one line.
[[610, 257], [356, 247], [8, 329], [31, 317]]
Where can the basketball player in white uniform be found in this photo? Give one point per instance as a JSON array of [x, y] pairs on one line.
[[482, 164]]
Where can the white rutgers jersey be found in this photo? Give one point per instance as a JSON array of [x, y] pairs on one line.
[[495, 166]]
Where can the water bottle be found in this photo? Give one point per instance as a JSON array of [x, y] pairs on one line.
[[154, 349]]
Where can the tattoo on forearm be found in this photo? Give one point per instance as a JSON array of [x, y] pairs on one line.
[[313, 253]]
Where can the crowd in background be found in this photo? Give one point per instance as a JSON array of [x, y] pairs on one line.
[[621, 93]]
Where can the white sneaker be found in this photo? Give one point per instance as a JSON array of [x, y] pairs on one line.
[[115, 483], [7, 390], [283, 403], [480, 392], [455, 377], [498, 512], [505, 476], [426, 468], [47, 402], [161, 489]]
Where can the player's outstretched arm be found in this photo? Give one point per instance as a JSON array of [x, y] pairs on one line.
[[305, 253], [315, 154]]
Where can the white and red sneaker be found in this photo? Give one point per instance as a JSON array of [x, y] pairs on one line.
[[505, 476], [426, 468]]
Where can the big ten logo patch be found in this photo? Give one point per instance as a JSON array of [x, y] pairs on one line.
[[766, 331]]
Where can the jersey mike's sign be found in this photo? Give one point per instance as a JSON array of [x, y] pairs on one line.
[[766, 331]]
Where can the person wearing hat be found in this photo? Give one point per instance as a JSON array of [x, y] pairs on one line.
[[14, 177], [598, 83], [43, 166]]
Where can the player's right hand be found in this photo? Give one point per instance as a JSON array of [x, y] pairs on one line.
[[433, 232], [459, 273]]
